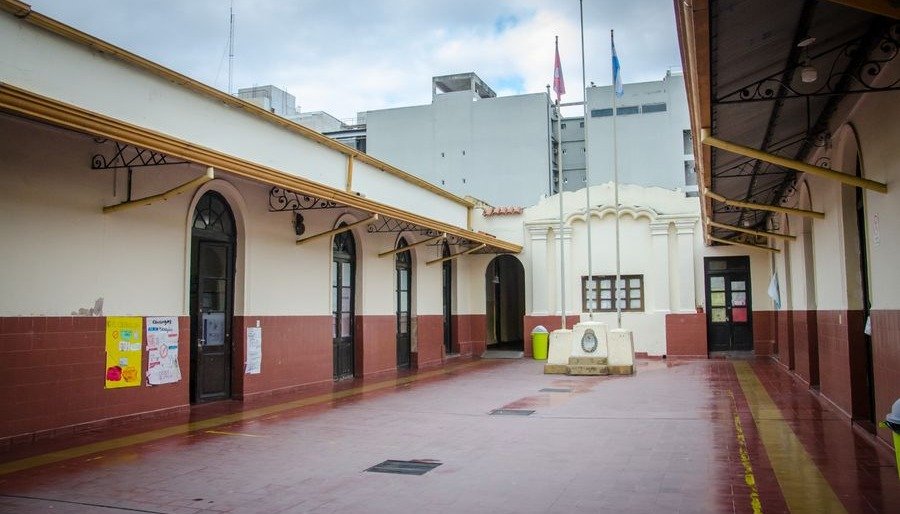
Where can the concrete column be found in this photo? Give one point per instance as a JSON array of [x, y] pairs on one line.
[[658, 275], [686, 290], [541, 271], [573, 282]]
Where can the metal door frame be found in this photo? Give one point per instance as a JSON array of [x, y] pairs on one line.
[[403, 264], [743, 269], [343, 251], [211, 236]]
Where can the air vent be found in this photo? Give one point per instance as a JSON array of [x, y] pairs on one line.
[[404, 467], [511, 412]]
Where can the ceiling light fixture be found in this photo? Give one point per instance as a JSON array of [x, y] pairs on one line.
[[808, 73]]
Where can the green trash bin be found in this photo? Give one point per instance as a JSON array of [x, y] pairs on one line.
[[892, 421], [540, 342]]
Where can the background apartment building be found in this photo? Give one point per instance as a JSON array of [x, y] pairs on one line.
[[470, 141], [653, 137]]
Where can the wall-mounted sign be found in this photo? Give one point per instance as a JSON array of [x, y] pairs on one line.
[[123, 351], [254, 351], [162, 351]]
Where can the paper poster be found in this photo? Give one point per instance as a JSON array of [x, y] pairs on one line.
[[162, 351], [254, 350], [123, 351]]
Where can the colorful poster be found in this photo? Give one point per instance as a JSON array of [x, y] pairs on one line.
[[123, 351], [162, 351], [254, 350]]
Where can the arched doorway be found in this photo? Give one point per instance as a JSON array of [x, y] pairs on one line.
[[403, 266], [447, 290], [505, 283], [213, 245], [343, 298]]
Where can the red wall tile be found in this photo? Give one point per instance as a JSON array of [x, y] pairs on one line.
[[429, 341], [784, 338], [471, 330], [686, 335], [51, 377], [763, 332], [376, 338], [296, 351], [886, 360], [806, 350], [834, 365]]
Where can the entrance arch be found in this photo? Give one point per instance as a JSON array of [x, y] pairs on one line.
[[213, 249], [505, 294]]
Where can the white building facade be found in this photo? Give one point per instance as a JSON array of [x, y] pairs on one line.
[[470, 141]]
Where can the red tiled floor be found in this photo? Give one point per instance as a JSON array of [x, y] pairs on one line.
[[665, 440]]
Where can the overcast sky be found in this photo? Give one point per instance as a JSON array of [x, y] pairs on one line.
[[345, 56]]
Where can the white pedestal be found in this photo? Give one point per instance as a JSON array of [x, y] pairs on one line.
[[621, 352], [559, 351], [590, 339]]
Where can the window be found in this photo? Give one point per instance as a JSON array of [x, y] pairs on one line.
[[658, 107], [690, 177], [600, 113], [581, 124], [562, 126], [631, 293], [688, 142], [630, 109]]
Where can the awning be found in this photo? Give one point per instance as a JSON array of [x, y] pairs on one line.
[[765, 81], [25, 103]]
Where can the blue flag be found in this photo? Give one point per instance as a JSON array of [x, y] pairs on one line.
[[616, 68]]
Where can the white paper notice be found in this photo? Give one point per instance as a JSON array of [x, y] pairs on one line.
[[254, 350], [162, 351]]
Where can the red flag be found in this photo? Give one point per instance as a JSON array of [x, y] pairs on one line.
[[559, 85]]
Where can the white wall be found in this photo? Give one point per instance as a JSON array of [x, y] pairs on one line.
[[40, 62], [61, 252], [494, 149], [648, 248]]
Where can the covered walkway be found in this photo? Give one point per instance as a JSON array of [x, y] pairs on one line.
[[690, 436]]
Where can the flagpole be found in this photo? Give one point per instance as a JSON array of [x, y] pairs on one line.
[[559, 87], [587, 178], [616, 189]]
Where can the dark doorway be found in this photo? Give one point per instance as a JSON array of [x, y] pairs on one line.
[[728, 315], [403, 264], [343, 296], [863, 389], [447, 280], [505, 309], [213, 239]]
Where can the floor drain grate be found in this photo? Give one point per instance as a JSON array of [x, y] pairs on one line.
[[404, 467], [556, 390], [511, 412]]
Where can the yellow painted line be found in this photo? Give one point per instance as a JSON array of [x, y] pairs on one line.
[[220, 432], [749, 477], [802, 484], [187, 428]]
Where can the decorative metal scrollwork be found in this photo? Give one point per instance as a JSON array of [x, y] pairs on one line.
[[839, 79], [284, 200], [392, 225], [130, 156]]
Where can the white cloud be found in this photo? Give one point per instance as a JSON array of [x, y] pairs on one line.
[[347, 56]]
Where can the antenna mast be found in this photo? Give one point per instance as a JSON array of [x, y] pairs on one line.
[[231, 49]]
